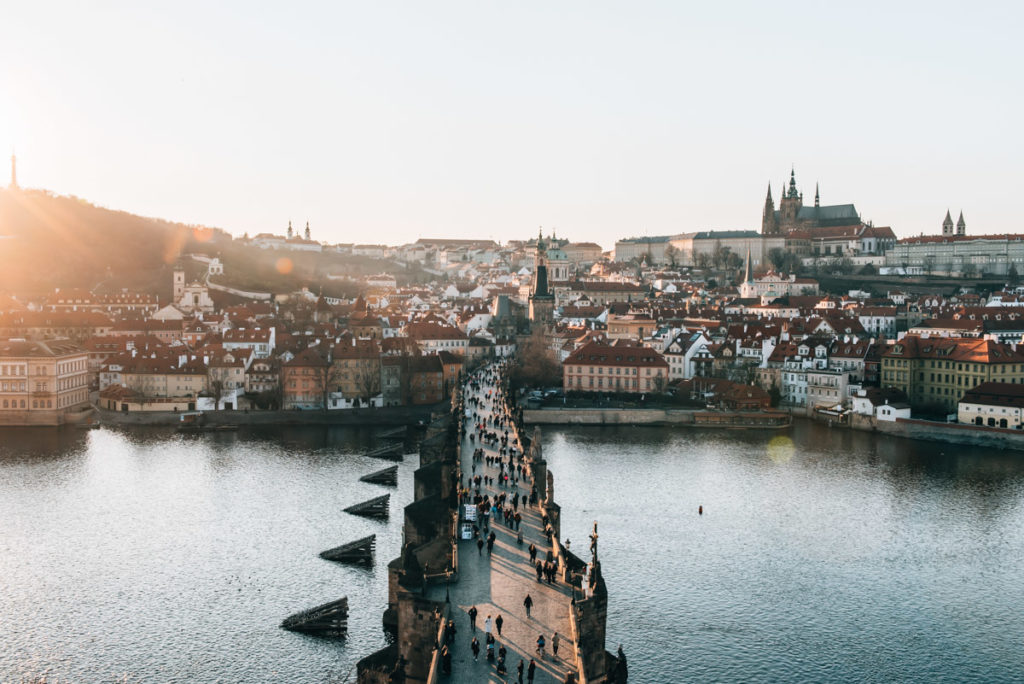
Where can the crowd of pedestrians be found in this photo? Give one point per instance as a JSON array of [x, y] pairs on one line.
[[499, 489]]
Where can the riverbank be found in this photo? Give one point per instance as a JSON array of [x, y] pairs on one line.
[[657, 417], [955, 433], [393, 415]]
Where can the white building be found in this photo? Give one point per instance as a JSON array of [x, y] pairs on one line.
[[683, 350], [958, 254], [993, 404]]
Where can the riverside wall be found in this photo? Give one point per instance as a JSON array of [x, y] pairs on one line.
[[655, 417], [393, 415], [954, 433]]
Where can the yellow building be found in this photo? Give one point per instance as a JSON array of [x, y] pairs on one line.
[[936, 372], [355, 368], [42, 382], [630, 326]]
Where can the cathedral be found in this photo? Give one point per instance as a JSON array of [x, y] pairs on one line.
[[793, 216]]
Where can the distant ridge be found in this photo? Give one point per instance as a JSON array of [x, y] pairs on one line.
[[53, 241]]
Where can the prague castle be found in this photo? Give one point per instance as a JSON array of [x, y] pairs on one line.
[[793, 216]]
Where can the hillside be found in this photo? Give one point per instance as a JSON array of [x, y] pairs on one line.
[[49, 241], [55, 241]]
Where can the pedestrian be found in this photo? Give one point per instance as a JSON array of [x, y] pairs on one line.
[[522, 666], [498, 621], [533, 553], [479, 546], [528, 603], [554, 644], [472, 618], [446, 660], [540, 646], [488, 625], [531, 671], [475, 647], [490, 542]]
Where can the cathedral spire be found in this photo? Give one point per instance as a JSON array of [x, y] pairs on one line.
[[947, 224], [817, 196], [746, 276]]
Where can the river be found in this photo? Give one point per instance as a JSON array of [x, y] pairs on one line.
[[822, 555]]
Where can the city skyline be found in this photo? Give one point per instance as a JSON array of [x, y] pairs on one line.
[[386, 124]]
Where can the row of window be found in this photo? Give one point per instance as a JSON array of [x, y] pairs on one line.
[[69, 400], [613, 383], [12, 370], [617, 370], [70, 366]]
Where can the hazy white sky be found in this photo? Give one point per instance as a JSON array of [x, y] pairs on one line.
[[385, 121]]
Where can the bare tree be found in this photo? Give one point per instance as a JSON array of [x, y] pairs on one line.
[[367, 378], [672, 254], [215, 387], [535, 364], [329, 380], [929, 264]]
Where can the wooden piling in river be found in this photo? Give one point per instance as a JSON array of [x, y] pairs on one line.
[[374, 508], [359, 552], [388, 476], [330, 619]]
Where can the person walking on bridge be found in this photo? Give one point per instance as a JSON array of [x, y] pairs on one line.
[[531, 671], [472, 618], [528, 603]]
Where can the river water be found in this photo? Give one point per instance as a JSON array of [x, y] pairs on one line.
[[822, 555]]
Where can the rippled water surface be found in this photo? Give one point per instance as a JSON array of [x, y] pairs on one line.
[[825, 556], [822, 556], [146, 556]]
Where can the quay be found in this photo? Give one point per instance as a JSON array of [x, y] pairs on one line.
[[442, 572], [658, 417]]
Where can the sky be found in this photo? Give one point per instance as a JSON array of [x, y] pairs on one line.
[[385, 122]]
